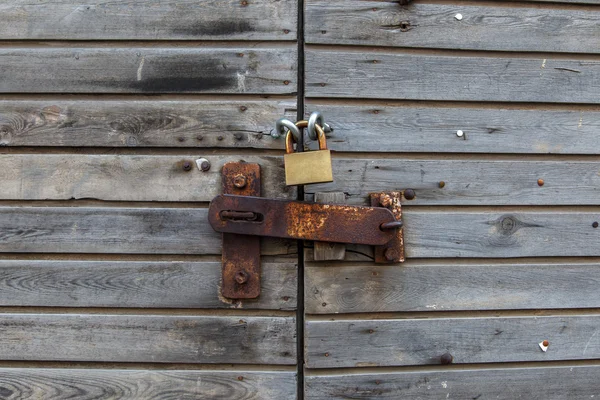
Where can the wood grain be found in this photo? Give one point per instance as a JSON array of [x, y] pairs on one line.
[[427, 233], [559, 383], [137, 284], [148, 338], [362, 343], [94, 384], [143, 123], [384, 128], [148, 70], [431, 77], [127, 177], [505, 28], [468, 182], [115, 230], [364, 287], [141, 20]]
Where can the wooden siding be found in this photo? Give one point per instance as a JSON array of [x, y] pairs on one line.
[[101, 104], [501, 238]]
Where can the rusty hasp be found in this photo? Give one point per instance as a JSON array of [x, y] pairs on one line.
[[302, 220], [241, 253], [392, 251]]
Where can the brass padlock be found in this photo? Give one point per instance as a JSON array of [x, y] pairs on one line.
[[309, 166]]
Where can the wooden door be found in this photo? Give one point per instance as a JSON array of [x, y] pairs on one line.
[[109, 270], [489, 112]]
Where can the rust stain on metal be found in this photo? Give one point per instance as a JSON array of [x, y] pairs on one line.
[[392, 251], [241, 253]]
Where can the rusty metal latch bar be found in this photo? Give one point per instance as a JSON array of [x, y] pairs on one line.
[[258, 216]]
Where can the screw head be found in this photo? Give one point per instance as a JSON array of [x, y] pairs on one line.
[[441, 184], [240, 181], [203, 164], [546, 343], [241, 277], [187, 166], [540, 182], [595, 224], [446, 359], [390, 254], [409, 194]]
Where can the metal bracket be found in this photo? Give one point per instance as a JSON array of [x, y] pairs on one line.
[[241, 253], [243, 217]]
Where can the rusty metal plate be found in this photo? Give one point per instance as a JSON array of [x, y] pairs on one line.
[[300, 220], [392, 251], [241, 253]]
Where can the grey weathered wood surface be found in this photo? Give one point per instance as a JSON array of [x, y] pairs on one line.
[[94, 384], [505, 28], [148, 338], [329, 250], [365, 287], [143, 123], [115, 230], [386, 128], [428, 233], [558, 383], [432, 77], [362, 343], [137, 284], [139, 19], [468, 182], [148, 70], [127, 177]]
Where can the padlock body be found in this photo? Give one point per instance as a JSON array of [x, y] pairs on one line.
[[308, 167]]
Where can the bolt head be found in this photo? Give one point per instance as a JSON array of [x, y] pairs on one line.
[[187, 166], [595, 224], [446, 359], [241, 277], [409, 194], [391, 254], [205, 166], [540, 182], [546, 343], [240, 181]]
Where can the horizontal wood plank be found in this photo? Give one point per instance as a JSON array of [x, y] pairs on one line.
[[332, 288], [148, 70], [115, 230], [362, 343], [430, 77], [148, 338], [563, 383], [137, 284], [143, 123], [382, 128], [91, 384], [427, 234], [143, 20], [468, 182], [127, 177], [384, 23]]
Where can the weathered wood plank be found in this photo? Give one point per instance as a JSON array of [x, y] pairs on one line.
[[126, 177], [93, 384], [148, 70], [427, 233], [137, 284], [429, 77], [559, 383], [384, 23], [142, 20], [379, 128], [135, 123], [148, 338], [468, 182], [329, 250], [115, 230], [365, 287], [361, 343]]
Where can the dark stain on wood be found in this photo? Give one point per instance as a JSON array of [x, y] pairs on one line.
[[215, 28]]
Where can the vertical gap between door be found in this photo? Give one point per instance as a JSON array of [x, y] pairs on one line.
[[300, 295]]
